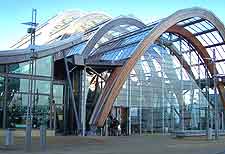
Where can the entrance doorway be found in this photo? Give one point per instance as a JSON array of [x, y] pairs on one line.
[[57, 108]]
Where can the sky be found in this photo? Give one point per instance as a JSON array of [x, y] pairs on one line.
[[15, 12]]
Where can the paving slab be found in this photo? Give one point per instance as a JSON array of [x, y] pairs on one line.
[[147, 144]]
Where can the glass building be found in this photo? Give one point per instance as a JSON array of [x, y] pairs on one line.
[[87, 68]]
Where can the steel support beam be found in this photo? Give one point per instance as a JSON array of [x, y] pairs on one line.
[[71, 93], [5, 106], [96, 73]]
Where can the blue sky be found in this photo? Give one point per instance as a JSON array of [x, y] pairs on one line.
[[14, 12]]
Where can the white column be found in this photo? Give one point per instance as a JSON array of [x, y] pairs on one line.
[[222, 121], [140, 108], [83, 105], [181, 90], [129, 103], [215, 96], [163, 97]]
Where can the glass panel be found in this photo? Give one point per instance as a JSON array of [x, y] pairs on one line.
[[201, 27], [43, 101], [118, 54], [2, 68], [21, 85], [2, 89], [220, 68], [200, 38], [190, 30], [196, 29], [76, 49], [17, 109], [42, 87], [58, 94], [22, 68], [217, 36], [207, 25], [207, 39], [213, 39], [44, 66], [2, 80], [16, 84], [134, 38]]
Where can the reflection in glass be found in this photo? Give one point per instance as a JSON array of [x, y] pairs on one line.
[[44, 66], [17, 109], [16, 84], [42, 87], [58, 94], [22, 68], [2, 68]]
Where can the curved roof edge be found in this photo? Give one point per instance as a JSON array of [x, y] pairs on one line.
[[21, 55], [107, 27], [153, 35]]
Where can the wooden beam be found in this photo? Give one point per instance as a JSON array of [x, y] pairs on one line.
[[153, 35], [201, 51]]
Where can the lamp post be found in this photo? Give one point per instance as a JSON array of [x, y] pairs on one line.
[[215, 95], [214, 76], [208, 117], [31, 30]]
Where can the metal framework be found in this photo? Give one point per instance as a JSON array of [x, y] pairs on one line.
[[198, 27], [157, 31]]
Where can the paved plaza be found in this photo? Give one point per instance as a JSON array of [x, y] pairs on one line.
[[149, 144]]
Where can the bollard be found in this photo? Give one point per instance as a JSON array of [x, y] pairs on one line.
[[93, 130], [9, 137], [209, 134], [43, 137], [166, 129], [101, 131], [28, 137]]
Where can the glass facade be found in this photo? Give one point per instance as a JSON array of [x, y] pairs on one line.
[[2, 91], [171, 87], [17, 93], [160, 95]]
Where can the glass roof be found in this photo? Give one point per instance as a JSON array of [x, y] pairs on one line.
[[63, 26], [123, 47], [76, 49], [120, 42], [114, 33], [210, 38], [119, 53]]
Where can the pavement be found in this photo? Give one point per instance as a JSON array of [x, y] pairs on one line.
[[146, 144]]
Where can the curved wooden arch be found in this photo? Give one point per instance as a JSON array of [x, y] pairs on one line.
[[108, 26], [201, 51], [113, 76], [156, 32]]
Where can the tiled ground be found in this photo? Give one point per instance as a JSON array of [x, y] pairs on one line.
[[150, 144]]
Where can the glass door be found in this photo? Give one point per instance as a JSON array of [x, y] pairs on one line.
[[58, 108]]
